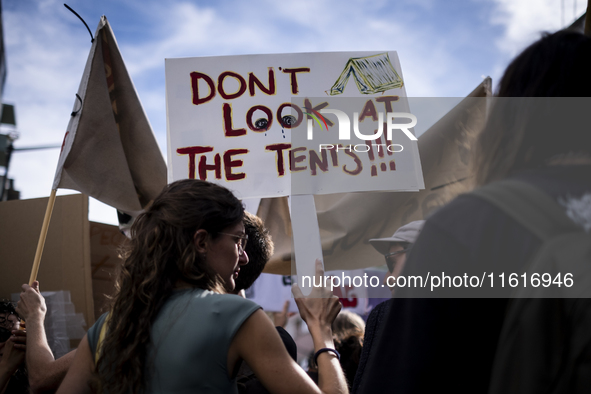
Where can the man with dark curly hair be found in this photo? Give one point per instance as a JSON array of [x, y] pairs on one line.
[[259, 249]]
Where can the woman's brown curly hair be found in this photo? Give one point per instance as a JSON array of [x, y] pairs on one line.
[[161, 253]]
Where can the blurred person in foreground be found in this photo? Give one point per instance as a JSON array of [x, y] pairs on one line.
[[450, 344], [395, 250]]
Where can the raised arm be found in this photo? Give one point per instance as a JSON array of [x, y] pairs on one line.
[[258, 343], [319, 313], [80, 378], [45, 372]]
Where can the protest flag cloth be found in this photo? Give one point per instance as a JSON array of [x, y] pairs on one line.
[[348, 220], [109, 150]]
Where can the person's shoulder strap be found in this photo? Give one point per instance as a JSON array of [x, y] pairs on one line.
[[529, 206], [101, 338]]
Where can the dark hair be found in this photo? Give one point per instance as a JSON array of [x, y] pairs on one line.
[[348, 323], [161, 252], [259, 249], [528, 123], [8, 309], [349, 347], [348, 332]]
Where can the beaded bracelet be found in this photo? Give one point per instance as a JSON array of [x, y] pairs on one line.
[[326, 349]]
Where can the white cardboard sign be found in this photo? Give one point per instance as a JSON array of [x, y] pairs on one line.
[[231, 118]]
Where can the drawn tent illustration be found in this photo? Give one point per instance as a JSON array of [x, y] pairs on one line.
[[373, 74]]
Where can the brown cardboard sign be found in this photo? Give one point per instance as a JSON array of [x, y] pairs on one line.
[[65, 264], [105, 241]]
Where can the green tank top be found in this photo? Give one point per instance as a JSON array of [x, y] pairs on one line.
[[190, 341]]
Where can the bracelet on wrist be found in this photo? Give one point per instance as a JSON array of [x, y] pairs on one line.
[[326, 349]]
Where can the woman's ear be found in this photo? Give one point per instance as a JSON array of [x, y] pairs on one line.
[[201, 238]]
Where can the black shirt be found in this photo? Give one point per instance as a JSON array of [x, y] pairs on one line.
[[448, 344]]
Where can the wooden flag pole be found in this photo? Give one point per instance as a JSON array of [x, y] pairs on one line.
[[588, 19], [42, 237]]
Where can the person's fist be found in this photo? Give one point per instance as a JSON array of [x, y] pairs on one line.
[[31, 305]]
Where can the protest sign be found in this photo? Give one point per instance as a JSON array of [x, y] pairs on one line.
[[67, 255], [278, 125], [272, 291], [247, 122], [233, 120], [348, 220], [105, 259]]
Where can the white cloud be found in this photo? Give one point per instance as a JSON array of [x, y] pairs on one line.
[[185, 29], [47, 47], [44, 61], [524, 20]]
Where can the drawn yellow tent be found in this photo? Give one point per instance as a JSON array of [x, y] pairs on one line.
[[373, 74]]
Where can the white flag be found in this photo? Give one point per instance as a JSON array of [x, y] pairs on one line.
[[109, 150]]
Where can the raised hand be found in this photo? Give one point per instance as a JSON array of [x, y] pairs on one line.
[[31, 305], [13, 357], [321, 306]]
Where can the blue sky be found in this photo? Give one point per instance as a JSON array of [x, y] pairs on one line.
[[445, 49]]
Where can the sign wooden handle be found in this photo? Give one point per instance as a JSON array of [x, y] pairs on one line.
[[42, 237]]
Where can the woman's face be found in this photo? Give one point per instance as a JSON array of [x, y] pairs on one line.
[[223, 256]]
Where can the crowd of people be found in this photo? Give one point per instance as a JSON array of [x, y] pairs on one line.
[[178, 322]]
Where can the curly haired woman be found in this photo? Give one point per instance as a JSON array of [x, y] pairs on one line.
[[172, 328]]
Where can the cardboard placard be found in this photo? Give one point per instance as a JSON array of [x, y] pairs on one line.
[[65, 264], [232, 119], [105, 241]]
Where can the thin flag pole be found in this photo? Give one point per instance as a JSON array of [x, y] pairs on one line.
[[588, 19], [79, 17], [42, 237]]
